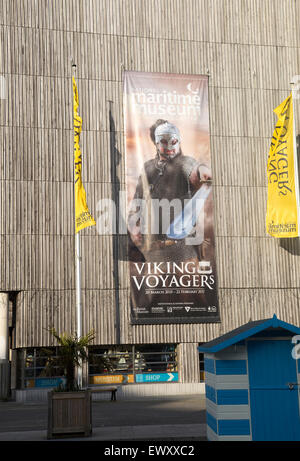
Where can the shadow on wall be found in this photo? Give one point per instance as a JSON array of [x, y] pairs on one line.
[[292, 245], [115, 160], [120, 241]]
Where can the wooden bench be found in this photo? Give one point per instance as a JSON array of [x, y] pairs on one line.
[[112, 389]]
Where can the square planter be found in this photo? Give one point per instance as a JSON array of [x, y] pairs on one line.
[[69, 414]]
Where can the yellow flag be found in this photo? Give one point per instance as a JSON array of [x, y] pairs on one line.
[[282, 172], [83, 218]]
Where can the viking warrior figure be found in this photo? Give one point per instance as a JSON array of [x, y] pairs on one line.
[[166, 184]]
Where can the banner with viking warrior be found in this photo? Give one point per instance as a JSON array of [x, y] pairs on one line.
[[171, 244]]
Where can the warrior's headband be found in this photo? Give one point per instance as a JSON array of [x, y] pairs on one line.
[[166, 129]]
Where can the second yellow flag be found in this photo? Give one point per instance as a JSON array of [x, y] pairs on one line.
[[282, 171]]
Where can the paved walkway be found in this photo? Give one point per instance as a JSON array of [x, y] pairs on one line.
[[181, 418], [182, 432]]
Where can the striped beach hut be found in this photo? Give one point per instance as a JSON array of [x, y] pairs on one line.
[[252, 377]]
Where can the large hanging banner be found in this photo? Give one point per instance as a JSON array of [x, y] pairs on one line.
[[171, 244]]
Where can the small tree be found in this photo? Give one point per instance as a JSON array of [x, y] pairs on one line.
[[71, 351]]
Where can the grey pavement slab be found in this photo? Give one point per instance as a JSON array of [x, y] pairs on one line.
[[182, 432], [176, 418], [105, 413]]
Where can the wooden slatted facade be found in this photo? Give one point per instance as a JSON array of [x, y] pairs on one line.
[[250, 50]]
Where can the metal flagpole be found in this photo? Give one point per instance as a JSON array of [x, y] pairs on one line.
[[78, 300], [78, 279]]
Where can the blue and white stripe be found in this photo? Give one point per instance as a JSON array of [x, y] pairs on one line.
[[227, 395]]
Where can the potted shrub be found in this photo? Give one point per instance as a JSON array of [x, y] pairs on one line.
[[69, 406]]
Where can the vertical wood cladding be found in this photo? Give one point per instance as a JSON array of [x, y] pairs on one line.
[[249, 49]]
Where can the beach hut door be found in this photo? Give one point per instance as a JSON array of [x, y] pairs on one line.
[[274, 401]]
